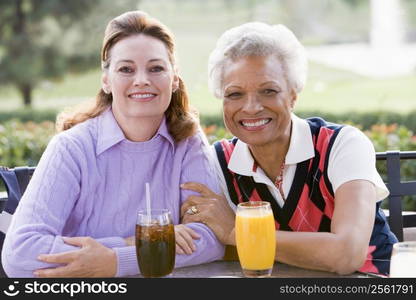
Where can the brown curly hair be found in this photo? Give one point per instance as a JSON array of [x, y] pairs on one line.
[[182, 121]]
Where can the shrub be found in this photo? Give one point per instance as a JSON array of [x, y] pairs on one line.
[[22, 144], [393, 137], [26, 115], [365, 119]]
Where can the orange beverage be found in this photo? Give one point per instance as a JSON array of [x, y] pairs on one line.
[[255, 238]]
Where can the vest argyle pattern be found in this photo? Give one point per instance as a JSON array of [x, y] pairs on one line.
[[310, 203]]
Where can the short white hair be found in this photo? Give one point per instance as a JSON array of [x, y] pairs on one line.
[[258, 39]]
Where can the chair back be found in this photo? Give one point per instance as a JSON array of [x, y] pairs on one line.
[[15, 180], [398, 188]]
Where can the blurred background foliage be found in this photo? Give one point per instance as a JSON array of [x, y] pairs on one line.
[[58, 57], [22, 144], [49, 59]]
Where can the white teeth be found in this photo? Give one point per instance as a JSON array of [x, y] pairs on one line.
[[140, 96], [257, 123]]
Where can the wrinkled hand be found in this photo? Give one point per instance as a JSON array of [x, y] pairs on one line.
[[92, 260], [213, 210], [184, 237]]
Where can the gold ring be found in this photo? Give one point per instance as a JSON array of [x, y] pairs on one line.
[[192, 210]]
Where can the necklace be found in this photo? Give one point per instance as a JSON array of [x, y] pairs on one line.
[[278, 182]]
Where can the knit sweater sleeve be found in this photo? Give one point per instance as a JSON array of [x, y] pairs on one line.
[[38, 222], [45, 206], [197, 167]]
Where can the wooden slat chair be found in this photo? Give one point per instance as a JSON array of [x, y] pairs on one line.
[[400, 221], [15, 180]]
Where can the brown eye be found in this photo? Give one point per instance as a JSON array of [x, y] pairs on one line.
[[235, 95], [270, 92], [126, 70], [157, 69]]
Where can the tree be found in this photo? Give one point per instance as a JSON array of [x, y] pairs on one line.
[[32, 41]]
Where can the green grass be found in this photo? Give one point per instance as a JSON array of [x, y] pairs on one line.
[[339, 91], [73, 89], [197, 25], [327, 90]]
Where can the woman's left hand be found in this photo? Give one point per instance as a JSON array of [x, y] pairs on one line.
[[184, 239], [211, 209], [92, 260]]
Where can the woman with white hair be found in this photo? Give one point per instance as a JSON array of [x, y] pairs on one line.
[[319, 177]]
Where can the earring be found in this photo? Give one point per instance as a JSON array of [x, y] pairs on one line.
[[106, 91]]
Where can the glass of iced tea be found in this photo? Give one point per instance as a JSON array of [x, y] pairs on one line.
[[155, 243], [255, 238]]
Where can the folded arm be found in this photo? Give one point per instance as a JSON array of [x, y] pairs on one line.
[[344, 249], [198, 166], [38, 223]]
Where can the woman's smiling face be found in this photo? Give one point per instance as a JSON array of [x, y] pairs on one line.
[[257, 100], [140, 77]]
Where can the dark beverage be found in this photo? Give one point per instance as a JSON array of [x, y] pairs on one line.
[[155, 249]]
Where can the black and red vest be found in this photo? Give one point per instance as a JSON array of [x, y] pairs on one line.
[[310, 203]]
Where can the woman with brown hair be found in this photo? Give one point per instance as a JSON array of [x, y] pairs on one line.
[[78, 214]]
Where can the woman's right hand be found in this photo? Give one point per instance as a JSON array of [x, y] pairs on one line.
[[87, 261], [212, 210], [184, 238]]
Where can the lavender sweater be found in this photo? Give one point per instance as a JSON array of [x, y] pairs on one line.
[[90, 181]]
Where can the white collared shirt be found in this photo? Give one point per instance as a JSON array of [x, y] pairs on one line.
[[352, 157]]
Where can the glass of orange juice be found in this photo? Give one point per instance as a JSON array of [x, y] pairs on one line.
[[255, 238]]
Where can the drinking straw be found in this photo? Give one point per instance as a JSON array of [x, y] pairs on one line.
[[148, 201]]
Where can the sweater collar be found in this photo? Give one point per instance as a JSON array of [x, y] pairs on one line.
[[110, 133]]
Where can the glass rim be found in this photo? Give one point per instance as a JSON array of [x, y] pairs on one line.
[[253, 204], [156, 211], [405, 245]]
